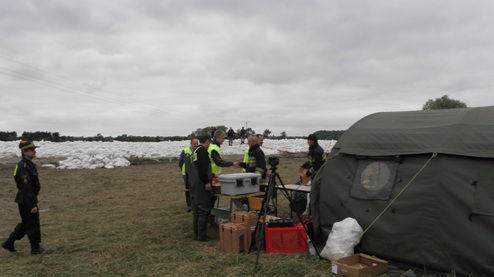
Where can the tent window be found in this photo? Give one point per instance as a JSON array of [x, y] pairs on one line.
[[374, 179]]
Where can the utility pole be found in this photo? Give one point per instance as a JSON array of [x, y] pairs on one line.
[[246, 122]]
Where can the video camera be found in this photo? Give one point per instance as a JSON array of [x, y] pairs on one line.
[[273, 161]]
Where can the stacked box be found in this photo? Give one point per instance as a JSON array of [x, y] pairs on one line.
[[249, 219], [239, 183], [232, 237], [286, 239], [255, 202]]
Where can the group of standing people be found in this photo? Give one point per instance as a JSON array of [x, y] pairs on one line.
[[201, 167], [231, 135], [202, 162]]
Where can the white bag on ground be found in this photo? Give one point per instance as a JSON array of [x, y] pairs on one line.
[[342, 239]]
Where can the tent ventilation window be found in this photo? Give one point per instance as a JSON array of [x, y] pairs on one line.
[[374, 179]]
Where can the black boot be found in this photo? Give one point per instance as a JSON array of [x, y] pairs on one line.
[[36, 249], [9, 243], [202, 227], [195, 224]]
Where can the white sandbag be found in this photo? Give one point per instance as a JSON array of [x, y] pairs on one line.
[[342, 239]]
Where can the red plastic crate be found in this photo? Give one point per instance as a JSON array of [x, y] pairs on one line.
[[286, 239]]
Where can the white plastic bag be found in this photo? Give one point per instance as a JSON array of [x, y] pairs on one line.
[[342, 239]]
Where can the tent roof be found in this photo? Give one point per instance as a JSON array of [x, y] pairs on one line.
[[464, 132]]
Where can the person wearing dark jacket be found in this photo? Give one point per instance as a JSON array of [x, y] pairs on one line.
[[28, 186], [316, 157], [217, 162], [201, 189], [231, 136], [243, 132], [184, 164], [256, 161]]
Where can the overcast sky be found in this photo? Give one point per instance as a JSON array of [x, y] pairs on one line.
[[162, 68]]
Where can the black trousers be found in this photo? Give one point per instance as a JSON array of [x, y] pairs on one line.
[[202, 200], [29, 226]]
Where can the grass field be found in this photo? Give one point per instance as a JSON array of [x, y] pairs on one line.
[[130, 221]]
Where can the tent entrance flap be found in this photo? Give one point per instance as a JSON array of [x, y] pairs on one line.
[[484, 190]]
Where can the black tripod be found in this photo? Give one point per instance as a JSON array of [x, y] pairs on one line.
[[269, 193]]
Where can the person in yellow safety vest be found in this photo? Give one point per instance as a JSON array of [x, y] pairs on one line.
[[184, 163], [256, 161], [260, 140], [217, 162]]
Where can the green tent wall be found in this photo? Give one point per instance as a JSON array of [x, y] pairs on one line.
[[444, 219]]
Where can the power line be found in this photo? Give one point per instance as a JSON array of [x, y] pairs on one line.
[[42, 70], [63, 87], [42, 80], [246, 122]]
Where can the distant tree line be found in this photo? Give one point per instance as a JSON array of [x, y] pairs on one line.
[[323, 134], [56, 137], [8, 136], [11, 136]]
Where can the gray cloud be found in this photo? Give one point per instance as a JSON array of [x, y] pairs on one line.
[[170, 67]]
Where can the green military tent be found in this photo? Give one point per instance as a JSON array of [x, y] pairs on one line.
[[420, 182]]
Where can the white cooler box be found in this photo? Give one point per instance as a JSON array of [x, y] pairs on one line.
[[239, 183]]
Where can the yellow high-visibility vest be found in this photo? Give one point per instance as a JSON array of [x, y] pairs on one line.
[[246, 157], [214, 167]]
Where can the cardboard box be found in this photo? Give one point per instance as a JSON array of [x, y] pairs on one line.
[[359, 265], [239, 183], [233, 237], [249, 219], [255, 202]]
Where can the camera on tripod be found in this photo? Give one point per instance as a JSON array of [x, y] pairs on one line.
[[273, 161]]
